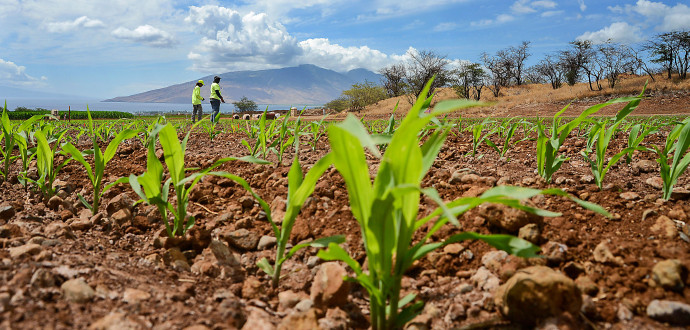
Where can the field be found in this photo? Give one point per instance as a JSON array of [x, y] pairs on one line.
[[614, 246]]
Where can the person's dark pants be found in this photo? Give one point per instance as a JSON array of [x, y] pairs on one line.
[[215, 106], [196, 110]]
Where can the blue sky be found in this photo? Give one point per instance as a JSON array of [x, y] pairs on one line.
[[101, 49]]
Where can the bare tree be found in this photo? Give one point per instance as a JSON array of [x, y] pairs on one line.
[[423, 66], [552, 69], [672, 51], [499, 71], [614, 59], [517, 56], [393, 79], [575, 59], [468, 80]]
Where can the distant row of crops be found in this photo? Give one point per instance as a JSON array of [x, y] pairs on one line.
[[22, 113], [386, 208]]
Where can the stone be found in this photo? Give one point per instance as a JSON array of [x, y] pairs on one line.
[[669, 274], [11, 231], [484, 279], [266, 242], [24, 250], [329, 287], [555, 252], [644, 166], [243, 239], [54, 202], [115, 320], [508, 218], [247, 202], [278, 208], [76, 290], [299, 321], [587, 178], [624, 313], [655, 182], [252, 288], [530, 233], [119, 202], [680, 194], [258, 319], [7, 212], [121, 216], [304, 305], [43, 278], [453, 248], [493, 260], [630, 196], [288, 299], [135, 296], [665, 227], [335, 319], [537, 292], [586, 285], [673, 312], [603, 254], [81, 224]]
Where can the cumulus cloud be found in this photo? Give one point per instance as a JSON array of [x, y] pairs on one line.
[[147, 35], [67, 26], [446, 26], [617, 32], [322, 52], [669, 18], [14, 74]]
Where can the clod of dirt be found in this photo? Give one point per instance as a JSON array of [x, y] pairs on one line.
[[7, 212], [76, 290], [603, 254], [669, 274], [535, 293], [507, 218], [665, 227]]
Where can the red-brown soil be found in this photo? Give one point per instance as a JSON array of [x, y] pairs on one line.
[[112, 258]]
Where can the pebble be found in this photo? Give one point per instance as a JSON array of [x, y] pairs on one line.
[[243, 239], [667, 274], [24, 250], [7, 212], [603, 254], [288, 299], [266, 242], [76, 290], [665, 227], [630, 196], [530, 233], [329, 287], [672, 312], [115, 320], [135, 296]]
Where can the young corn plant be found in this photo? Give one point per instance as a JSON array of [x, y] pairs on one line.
[[677, 143], [387, 210], [638, 133], [550, 141], [598, 163], [478, 138], [100, 161], [151, 188], [316, 131], [507, 136], [13, 135], [47, 172]]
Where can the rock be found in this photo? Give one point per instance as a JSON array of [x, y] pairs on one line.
[[329, 287], [680, 194], [587, 178], [252, 288], [54, 202], [288, 299], [258, 319], [530, 233], [493, 260], [278, 208], [665, 227], [624, 313], [242, 239], [669, 275], [603, 254], [508, 218], [7, 212], [43, 278], [266, 242], [81, 224], [24, 250], [555, 252], [673, 312], [644, 166], [76, 290], [630, 196], [135, 296], [535, 293], [336, 319], [247, 202], [115, 321], [586, 285], [655, 182], [484, 279], [119, 202], [176, 259], [300, 321], [573, 269], [121, 216], [453, 248], [11, 231]]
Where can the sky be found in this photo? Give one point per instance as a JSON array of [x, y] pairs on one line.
[[101, 49]]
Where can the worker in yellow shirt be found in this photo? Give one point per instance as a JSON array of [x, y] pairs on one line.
[[215, 99], [196, 101]]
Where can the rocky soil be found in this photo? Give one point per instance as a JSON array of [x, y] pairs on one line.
[[63, 268]]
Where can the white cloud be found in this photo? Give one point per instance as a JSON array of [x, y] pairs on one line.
[[67, 26], [670, 18], [617, 32], [544, 4], [446, 26], [147, 35], [522, 7], [552, 13], [583, 6], [323, 53], [14, 74], [500, 19]]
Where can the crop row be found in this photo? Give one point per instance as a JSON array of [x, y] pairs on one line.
[[386, 208]]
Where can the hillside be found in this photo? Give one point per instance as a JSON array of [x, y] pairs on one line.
[[304, 84]]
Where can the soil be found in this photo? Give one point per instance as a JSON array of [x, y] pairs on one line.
[[114, 257]]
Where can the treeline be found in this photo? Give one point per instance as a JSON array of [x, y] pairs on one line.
[[599, 65], [22, 113]]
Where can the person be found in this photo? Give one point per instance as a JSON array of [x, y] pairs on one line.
[[196, 101], [215, 99]]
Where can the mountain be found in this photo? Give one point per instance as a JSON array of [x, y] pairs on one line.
[[304, 84]]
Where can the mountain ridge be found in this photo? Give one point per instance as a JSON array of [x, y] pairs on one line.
[[303, 84]]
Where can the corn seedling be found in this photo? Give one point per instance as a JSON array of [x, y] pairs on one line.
[[100, 161], [477, 137], [387, 210], [677, 143], [47, 172]]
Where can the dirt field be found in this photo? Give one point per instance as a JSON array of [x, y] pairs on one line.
[[134, 278]]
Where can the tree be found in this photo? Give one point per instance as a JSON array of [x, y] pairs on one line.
[[245, 104], [672, 51], [575, 59], [423, 66], [338, 104], [499, 71], [517, 56], [360, 95], [393, 79], [614, 59], [468, 80], [552, 69]]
